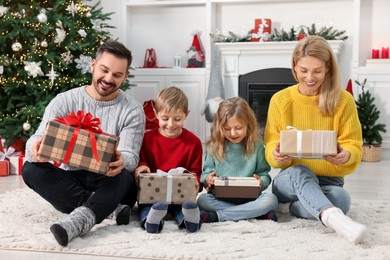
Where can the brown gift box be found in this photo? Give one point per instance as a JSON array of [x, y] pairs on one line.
[[236, 187], [56, 140], [173, 189], [308, 143]]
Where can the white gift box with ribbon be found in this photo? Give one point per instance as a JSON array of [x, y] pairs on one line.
[[308, 143]]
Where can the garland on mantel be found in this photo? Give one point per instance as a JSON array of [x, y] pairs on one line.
[[327, 33]]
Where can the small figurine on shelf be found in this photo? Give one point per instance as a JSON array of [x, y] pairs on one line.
[[195, 54]]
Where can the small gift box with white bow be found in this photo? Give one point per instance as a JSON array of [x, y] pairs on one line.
[[308, 143], [78, 141], [174, 187], [236, 187]]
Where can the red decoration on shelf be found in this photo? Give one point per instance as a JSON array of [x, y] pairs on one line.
[[375, 53], [385, 52]]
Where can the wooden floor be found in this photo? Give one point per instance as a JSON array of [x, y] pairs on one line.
[[371, 181]]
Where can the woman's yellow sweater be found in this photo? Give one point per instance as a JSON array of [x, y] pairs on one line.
[[289, 107]]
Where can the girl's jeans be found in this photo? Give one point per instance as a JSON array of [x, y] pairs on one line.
[[237, 209], [67, 190], [309, 194]]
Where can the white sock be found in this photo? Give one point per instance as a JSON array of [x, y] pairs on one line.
[[344, 225]]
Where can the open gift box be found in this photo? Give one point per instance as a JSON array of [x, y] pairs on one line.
[[236, 187]]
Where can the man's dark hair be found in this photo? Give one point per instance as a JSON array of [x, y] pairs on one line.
[[117, 49]]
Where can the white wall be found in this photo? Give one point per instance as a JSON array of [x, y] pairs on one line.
[[365, 21]]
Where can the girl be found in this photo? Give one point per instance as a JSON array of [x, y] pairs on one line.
[[235, 149]]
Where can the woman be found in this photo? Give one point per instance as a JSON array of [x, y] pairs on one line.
[[313, 188]]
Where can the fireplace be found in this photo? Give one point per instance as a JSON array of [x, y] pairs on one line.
[[257, 88]]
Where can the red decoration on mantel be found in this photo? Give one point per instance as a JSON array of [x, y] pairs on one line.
[[349, 87], [262, 31], [375, 53], [385, 52]]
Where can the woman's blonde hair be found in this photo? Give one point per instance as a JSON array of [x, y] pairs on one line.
[[330, 91], [232, 108], [172, 99]]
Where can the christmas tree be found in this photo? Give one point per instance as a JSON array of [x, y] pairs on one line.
[[46, 48]]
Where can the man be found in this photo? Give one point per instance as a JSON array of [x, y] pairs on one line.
[[88, 197]]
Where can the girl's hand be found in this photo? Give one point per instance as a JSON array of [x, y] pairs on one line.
[[210, 179], [278, 157], [341, 157], [259, 179]]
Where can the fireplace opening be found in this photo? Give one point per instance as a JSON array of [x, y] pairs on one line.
[[259, 86]]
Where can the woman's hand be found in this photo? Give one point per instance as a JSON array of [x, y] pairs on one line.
[[278, 157], [116, 167], [259, 179], [210, 180], [341, 157]]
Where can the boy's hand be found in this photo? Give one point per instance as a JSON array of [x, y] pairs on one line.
[[139, 170]]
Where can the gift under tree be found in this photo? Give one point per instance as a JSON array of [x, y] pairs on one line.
[[46, 48]]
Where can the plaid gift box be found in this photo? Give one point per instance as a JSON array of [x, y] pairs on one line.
[[308, 143], [236, 187], [57, 144], [173, 189]]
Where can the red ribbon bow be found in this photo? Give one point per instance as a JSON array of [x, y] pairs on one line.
[[81, 121]]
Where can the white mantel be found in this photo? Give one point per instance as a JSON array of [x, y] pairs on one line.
[[239, 58]]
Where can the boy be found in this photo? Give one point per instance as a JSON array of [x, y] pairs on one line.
[[168, 147]]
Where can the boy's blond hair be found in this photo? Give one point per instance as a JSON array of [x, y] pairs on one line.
[[172, 99]]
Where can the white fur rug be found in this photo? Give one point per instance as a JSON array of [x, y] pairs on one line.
[[25, 219]]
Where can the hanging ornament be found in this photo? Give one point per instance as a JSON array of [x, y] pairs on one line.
[[52, 75], [16, 46], [72, 8], [26, 126], [42, 17], [44, 44]]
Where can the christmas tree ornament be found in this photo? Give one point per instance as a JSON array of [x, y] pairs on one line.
[[216, 91], [3, 10], [67, 57], [52, 75], [42, 17], [44, 44], [1, 70], [33, 68], [72, 8], [26, 126], [16, 47]]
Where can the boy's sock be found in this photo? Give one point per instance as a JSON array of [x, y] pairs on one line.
[[271, 215], [191, 216], [208, 216], [154, 220], [343, 225]]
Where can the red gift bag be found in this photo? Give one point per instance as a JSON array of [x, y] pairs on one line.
[[150, 60], [151, 121]]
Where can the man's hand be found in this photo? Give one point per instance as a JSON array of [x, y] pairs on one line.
[[116, 166], [35, 149]]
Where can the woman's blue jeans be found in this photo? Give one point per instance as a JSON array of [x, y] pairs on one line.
[[235, 210], [309, 194]]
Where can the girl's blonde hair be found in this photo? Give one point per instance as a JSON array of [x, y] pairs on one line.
[[330, 91], [171, 99], [232, 108]]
